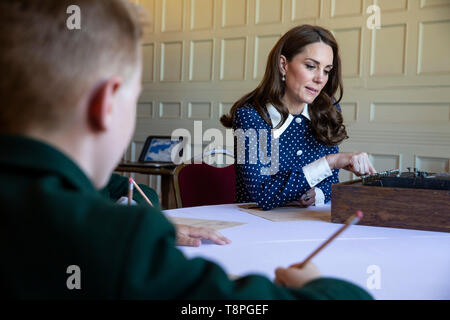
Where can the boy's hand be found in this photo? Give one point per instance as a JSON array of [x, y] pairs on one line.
[[193, 236], [294, 277], [124, 201]]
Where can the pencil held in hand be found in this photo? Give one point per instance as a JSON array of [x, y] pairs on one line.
[[141, 192], [130, 191], [351, 221]]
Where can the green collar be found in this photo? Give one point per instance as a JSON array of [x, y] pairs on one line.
[[28, 154]]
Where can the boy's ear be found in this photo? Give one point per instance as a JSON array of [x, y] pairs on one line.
[[101, 105]]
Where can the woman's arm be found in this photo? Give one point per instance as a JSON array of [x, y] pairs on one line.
[[325, 185], [265, 184], [358, 163], [270, 187]]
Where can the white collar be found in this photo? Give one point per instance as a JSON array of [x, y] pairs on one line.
[[275, 117], [305, 112]]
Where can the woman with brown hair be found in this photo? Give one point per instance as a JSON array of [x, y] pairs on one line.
[[293, 118]]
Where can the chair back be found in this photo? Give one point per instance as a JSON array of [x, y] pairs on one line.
[[202, 184]]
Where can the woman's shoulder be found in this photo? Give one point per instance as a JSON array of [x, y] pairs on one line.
[[336, 104], [338, 107], [247, 116], [247, 108]]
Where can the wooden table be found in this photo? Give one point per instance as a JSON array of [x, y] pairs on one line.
[[167, 188]]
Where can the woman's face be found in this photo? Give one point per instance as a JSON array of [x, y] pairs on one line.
[[307, 72]]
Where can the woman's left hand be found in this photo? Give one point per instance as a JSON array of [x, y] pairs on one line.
[[193, 236], [308, 198]]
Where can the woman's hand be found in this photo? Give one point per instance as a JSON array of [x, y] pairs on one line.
[[308, 198], [358, 163], [193, 236]]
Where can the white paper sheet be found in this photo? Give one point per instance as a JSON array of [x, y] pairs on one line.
[[409, 264]]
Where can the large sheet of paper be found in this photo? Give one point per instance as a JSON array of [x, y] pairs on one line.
[[288, 213], [390, 263], [214, 224]]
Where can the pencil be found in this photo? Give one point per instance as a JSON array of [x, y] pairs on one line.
[[130, 190], [351, 221], [142, 193]]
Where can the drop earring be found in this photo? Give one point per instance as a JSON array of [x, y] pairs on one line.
[[283, 78]]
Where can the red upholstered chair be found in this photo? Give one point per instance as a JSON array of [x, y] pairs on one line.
[[203, 184]]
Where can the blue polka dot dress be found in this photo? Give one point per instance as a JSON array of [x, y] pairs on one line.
[[274, 179]]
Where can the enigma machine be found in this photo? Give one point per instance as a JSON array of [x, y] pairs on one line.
[[410, 200]]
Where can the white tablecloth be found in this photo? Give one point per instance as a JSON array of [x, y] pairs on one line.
[[389, 263]]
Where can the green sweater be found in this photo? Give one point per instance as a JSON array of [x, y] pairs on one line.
[[53, 217]]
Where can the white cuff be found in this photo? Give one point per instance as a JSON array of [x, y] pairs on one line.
[[320, 197], [317, 171]]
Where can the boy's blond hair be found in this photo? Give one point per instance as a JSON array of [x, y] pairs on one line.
[[46, 68]]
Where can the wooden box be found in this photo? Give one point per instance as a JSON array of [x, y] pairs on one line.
[[422, 209]]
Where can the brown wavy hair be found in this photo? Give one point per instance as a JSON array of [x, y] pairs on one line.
[[326, 120]]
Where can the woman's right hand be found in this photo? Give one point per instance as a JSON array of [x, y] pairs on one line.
[[358, 163]]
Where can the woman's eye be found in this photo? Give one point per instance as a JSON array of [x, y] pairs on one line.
[[327, 71], [309, 66]]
